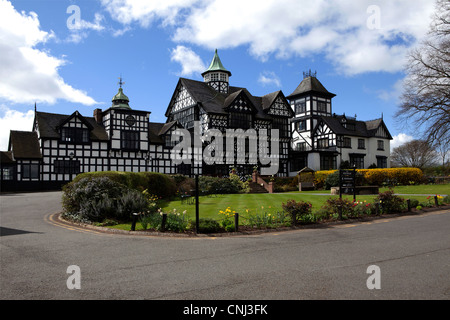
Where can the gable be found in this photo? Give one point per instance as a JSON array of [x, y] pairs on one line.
[[280, 107], [76, 120], [322, 129], [382, 132], [181, 99], [239, 102]]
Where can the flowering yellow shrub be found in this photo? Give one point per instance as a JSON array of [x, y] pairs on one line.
[[320, 177], [403, 176]]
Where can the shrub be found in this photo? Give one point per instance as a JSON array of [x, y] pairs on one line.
[[332, 206], [92, 199], [361, 208], [131, 201], [297, 210], [155, 183], [217, 185], [100, 198], [332, 180], [176, 222], [389, 202], [320, 176], [207, 225], [391, 176], [414, 203]]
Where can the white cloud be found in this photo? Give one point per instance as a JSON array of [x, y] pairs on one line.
[[79, 29], [29, 74], [189, 60], [394, 93], [269, 78], [145, 12], [13, 120], [342, 30], [400, 139]]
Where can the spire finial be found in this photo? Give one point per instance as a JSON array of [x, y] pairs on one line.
[[309, 74], [35, 107], [121, 83]]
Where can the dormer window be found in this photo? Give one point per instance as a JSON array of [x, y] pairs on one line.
[[74, 135]]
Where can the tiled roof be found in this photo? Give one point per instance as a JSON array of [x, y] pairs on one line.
[[215, 102], [311, 84], [24, 145], [365, 129], [48, 124]]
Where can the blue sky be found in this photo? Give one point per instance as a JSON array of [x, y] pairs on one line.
[[67, 55]]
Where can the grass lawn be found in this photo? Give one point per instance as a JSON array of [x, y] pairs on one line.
[[433, 189], [258, 203]]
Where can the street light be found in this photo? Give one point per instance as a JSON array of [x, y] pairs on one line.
[[71, 168]]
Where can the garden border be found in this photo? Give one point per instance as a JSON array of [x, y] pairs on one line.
[[319, 225]]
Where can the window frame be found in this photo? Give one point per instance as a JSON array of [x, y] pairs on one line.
[[28, 173], [380, 145], [130, 140], [67, 166], [75, 135]]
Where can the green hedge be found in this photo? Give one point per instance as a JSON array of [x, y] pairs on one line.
[[157, 184]]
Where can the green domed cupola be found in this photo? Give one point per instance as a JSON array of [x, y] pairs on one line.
[[216, 76], [120, 100]]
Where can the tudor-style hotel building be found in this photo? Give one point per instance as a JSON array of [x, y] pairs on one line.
[[122, 139]]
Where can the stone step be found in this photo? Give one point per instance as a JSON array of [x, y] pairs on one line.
[[257, 188]]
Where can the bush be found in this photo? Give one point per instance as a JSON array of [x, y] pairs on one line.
[[380, 177], [332, 180], [332, 206], [389, 202], [217, 185], [176, 222], [297, 210], [155, 183], [100, 198], [90, 199], [207, 225]]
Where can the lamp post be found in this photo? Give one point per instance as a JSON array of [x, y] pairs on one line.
[[71, 168]]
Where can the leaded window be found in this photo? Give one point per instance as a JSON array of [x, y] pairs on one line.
[[67, 166], [185, 117], [328, 162], [323, 143], [130, 140], [30, 171], [300, 106], [357, 161], [240, 120], [75, 135], [380, 145], [361, 144], [282, 125], [381, 162], [8, 173], [321, 106]]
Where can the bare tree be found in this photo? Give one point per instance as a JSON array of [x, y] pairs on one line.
[[443, 153], [426, 94], [416, 153]]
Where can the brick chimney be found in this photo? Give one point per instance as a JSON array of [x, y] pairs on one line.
[[98, 116]]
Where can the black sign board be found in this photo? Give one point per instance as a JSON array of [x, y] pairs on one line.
[[347, 180]]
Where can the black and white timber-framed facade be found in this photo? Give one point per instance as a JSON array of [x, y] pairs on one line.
[[323, 140], [122, 139]]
